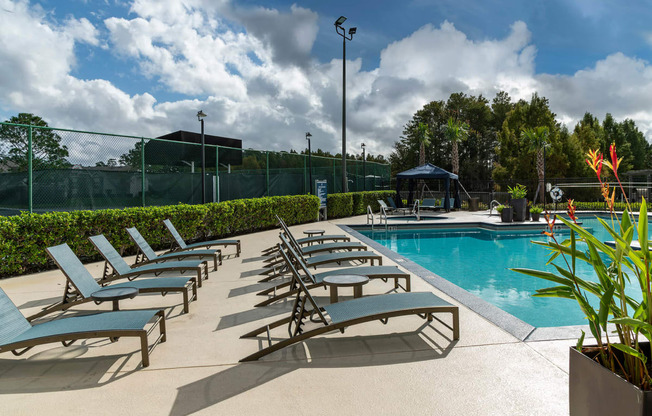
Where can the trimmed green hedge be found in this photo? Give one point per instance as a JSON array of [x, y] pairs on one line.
[[23, 238], [355, 203]]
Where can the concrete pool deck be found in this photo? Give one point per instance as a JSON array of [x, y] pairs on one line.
[[403, 367]]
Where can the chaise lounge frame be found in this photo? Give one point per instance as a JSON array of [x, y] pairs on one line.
[[80, 285], [181, 245], [82, 327], [115, 267], [147, 255], [345, 314]]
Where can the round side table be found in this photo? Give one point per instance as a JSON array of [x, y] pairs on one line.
[[345, 280], [114, 294]]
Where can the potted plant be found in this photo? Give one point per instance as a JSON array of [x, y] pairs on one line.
[[518, 201], [613, 376], [535, 212], [505, 213]]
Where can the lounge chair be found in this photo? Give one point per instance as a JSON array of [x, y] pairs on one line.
[[429, 203], [146, 254], [19, 336], [115, 267], [312, 281], [383, 207], [451, 201], [315, 261], [182, 246], [317, 239], [395, 208], [80, 285], [347, 313], [313, 249]]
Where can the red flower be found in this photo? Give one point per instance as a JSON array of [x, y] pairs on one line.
[[571, 210], [615, 162]]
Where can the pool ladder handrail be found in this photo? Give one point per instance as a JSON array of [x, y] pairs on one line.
[[370, 216], [415, 210], [492, 206]]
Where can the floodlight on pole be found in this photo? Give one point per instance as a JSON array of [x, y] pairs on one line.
[[364, 168], [200, 118], [342, 32], [308, 136]]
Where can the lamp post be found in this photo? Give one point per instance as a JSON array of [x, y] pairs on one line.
[[342, 32], [200, 118], [364, 169], [308, 136]]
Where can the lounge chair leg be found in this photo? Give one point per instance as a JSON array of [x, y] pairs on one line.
[[144, 349], [186, 308], [456, 324]]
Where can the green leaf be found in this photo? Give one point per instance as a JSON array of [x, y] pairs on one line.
[[543, 275], [605, 306], [580, 342], [642, 230], [636, 324], [630, 351]]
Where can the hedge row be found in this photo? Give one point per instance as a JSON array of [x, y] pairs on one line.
[[23, 238], [355, 203], [598, 206]]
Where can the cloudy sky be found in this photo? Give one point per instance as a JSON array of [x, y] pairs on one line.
[[267, 72]]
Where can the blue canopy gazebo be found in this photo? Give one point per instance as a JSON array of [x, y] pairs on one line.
[[428, 171]]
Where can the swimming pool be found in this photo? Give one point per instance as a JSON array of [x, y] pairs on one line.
[[477, 260]]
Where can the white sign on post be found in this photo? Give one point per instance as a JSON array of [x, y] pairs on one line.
[[322, 192]]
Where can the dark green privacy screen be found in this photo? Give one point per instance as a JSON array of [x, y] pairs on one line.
[[45, 169]]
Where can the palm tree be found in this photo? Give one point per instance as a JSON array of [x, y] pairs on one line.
[[537, 139], [424, 136], [456, 132]]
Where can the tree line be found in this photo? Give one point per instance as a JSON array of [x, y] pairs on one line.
[[504, 140], [49, 152]]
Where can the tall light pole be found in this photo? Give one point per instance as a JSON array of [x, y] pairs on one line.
[[342, 32], [364, 169], [200, 117], [308, 136]]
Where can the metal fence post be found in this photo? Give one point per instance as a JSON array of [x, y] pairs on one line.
[[334, 176], [217, 171], [267, 172], [304, 174], [142, 168], [30, 177]]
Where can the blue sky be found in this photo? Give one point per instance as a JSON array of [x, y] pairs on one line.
[[266, 72]]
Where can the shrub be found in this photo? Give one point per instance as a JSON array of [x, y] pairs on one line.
[[355, 203], [23, 238]]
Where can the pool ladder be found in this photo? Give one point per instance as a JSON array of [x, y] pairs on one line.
[[382, 216], [493, 204]]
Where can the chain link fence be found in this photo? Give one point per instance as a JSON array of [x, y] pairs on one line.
[[46, 169]]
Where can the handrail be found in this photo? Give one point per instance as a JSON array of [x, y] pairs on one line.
[[415, 210], [491, 206], [370, 216], [383, 214]]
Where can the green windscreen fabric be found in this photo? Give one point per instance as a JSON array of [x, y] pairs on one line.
[[73, 170]]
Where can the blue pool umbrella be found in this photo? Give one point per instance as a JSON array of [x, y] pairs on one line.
[[428, 171]]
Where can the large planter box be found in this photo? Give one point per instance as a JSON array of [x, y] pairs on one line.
[[594, 390], [474, 204], [506, 214], [520, 208]]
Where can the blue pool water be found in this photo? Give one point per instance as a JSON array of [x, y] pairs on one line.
[[477, 260]]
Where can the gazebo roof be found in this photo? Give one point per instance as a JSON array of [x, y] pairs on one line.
[[426, 171]]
